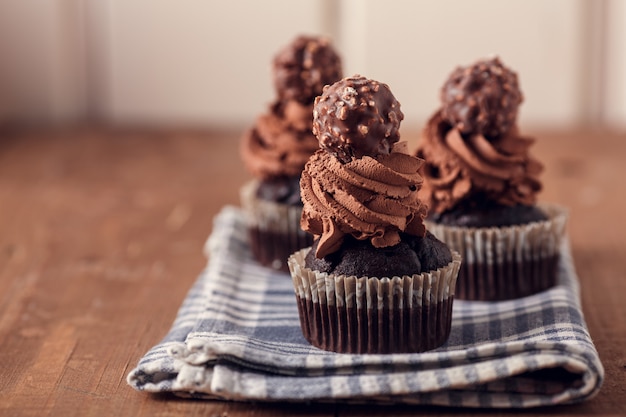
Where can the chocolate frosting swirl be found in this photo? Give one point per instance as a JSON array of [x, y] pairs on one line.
[[281, 140], [368, 198], [459, 168]]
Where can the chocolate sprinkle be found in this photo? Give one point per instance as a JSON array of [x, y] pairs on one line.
[[357, 117], [304, 67], [482, 98]]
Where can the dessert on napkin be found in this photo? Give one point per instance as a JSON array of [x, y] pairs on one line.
[[276, 148], [374, 280], [481, 184]]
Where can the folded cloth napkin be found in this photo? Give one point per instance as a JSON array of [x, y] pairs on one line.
[[237, 336]]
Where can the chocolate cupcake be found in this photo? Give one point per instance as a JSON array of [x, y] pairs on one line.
[[276, 148], [374, 281], [481, 185]]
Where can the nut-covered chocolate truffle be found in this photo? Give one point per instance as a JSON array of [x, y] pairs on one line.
[[304, 67], [482, 98], [357, 117]]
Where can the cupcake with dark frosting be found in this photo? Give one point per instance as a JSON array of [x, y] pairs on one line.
[[481, 184], [374, 280], [276, 148]]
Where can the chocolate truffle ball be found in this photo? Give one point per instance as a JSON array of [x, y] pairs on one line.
[[482, 98], [356, 117], [304, 67]]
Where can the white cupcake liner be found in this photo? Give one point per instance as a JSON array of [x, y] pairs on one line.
[[502, 263], [352, 314], [274, 228]]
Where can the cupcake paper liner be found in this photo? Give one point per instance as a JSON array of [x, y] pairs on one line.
[[501, 263], [274, 228], [350, 314]]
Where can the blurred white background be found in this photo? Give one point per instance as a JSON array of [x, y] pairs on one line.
[[203, 63]]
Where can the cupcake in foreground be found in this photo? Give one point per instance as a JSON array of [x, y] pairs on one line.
[[374, 281], [276, 148], [481, 185]]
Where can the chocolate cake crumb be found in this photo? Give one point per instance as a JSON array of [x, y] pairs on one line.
[[413, 255]]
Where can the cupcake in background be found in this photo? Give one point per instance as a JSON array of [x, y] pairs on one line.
[[374, 281], [276, 148], [481, 185]]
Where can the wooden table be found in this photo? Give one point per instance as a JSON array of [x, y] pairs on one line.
[[101, 235]]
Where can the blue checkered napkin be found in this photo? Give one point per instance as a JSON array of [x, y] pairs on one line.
[[237, 336]]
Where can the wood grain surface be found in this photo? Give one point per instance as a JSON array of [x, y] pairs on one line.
[[101, 236]]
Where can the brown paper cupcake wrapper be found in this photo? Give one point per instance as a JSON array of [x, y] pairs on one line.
[[274, 228], [374, 315], [506, 262]]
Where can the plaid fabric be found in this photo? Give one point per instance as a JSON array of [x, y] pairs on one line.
[[237, 336]]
